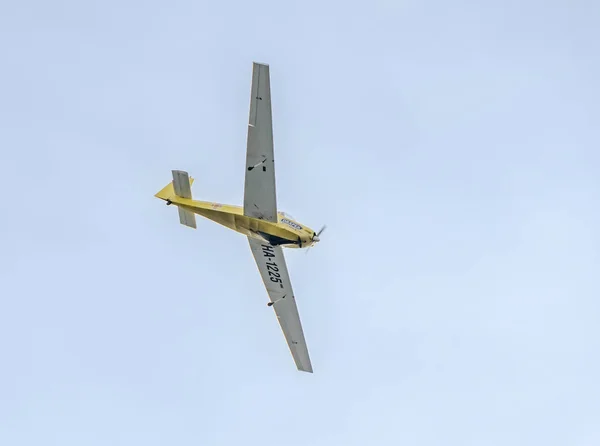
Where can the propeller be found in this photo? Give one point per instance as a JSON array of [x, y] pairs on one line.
[[315, 237]]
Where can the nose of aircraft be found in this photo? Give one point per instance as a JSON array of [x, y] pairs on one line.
[[313, 238], [317, 234]]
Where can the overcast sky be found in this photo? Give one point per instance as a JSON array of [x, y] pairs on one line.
[[452, 149]]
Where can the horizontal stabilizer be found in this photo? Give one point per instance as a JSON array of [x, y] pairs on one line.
[[181, 183], [187, 218], [182, 186], [179, 187], [168, 191]]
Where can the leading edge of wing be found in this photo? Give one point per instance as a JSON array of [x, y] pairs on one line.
[[273, 270]]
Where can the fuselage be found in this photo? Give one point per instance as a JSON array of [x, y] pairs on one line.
[[285, 232]]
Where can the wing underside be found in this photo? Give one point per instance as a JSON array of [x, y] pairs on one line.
[[259, 187], [273, 270]]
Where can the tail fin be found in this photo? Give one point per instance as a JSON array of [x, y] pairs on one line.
[[179, 187]]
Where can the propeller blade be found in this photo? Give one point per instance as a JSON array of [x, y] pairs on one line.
[[316, 237], [321, 230]]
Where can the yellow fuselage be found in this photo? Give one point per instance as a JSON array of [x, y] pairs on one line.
[[285, 232]]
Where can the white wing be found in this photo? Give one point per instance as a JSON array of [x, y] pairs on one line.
[[273, 270], [259, 189]]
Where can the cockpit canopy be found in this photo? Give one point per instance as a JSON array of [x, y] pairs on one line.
[[286, 215]]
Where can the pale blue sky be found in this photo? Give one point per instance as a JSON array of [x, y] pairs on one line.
[[452, 149]]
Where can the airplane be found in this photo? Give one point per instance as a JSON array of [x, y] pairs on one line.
[[268, 230]]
